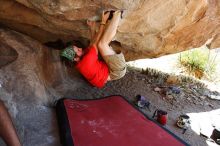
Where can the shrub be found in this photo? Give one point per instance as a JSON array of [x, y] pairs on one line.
[[199, 62]]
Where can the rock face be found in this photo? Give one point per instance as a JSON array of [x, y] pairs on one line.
[[7, 54], [148, 29], [33, 72], [32, 77]]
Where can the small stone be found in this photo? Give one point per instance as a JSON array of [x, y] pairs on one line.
[[195, 102], [216, 93], [194, 97], [182, 95], [206, 103], [201, 103], [188, 98], [202, 97], [172, 80], [196, 93], [200, 91], [215, 97], [170, 97], [206, 93], [211, 105], [188, 90], [157, 89]]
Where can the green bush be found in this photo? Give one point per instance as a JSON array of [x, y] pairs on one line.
[[198, 62]]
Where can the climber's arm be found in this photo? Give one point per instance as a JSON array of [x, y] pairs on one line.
[[101, 29]]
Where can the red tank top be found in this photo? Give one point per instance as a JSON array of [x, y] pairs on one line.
[[94, 70]]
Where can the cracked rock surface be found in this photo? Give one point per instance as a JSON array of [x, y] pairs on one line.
[[148, 29]]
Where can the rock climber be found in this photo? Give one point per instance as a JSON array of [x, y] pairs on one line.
[[96, 71]]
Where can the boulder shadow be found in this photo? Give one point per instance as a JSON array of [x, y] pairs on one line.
[[7, 54]]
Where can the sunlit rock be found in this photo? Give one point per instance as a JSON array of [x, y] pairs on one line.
[[148, 28]]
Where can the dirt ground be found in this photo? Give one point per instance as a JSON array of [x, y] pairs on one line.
[[37, 125], [136, 82]]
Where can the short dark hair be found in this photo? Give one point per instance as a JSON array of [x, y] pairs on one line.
[[75, 43]]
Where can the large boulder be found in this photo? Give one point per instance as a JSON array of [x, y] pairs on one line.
[[148, 29], [32, 78], [31, 72]]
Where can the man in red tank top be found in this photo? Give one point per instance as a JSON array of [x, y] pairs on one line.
[[96, 71]]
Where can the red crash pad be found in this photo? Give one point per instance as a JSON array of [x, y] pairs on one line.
[[109, 121]]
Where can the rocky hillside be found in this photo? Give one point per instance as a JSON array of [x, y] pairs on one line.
[[148, 28]]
